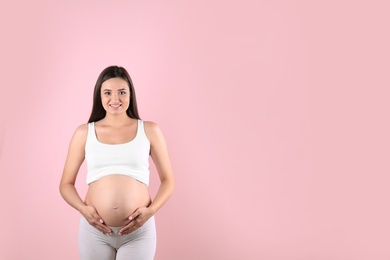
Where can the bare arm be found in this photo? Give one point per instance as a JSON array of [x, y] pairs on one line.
[[72, 165], [159, 154], [67, 185]]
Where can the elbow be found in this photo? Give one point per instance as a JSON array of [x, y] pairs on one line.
[[61, 189], [64, 187], [169, 184]]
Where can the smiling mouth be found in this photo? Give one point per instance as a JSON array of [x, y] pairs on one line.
[[115, 106]]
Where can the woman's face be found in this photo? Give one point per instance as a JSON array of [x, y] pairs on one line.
[[115, 95]]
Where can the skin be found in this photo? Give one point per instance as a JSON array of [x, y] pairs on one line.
[[114, 129]]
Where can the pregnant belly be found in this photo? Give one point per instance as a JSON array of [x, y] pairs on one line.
[[116, 197]]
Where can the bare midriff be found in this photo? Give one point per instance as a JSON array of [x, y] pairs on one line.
[[116, 197]]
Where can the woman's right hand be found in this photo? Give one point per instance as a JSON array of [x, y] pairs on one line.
[[93, 218]]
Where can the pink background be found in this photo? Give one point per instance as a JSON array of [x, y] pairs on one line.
[[276, 114]]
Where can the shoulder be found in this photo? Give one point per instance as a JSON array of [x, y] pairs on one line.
[[81, 132], [82, 129], [150, 125], [152, 130]]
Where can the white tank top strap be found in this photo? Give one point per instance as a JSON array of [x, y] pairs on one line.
[[139, 121], [91, 131], [141, 128]]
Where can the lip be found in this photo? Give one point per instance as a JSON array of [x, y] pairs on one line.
[[115, 105]]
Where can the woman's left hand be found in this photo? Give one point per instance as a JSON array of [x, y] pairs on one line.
[[136, 220]]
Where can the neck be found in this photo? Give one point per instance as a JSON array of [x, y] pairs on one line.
[[117, 120]]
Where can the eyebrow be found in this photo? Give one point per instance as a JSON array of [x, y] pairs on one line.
[[118, 89]]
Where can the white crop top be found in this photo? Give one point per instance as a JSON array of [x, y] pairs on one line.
[[130, 159]]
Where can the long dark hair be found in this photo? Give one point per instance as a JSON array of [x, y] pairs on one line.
[[98, 111]]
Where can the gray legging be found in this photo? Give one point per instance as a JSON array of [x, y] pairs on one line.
[[139, 245]]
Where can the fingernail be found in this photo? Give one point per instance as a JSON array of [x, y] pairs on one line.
[[130, 218], [101, 221]]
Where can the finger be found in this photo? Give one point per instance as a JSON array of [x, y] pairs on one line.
[[134, 215], [137, 224], [102, 229], [105, 229], [99, 224], [97, 217], [124, 230], [127, 229]]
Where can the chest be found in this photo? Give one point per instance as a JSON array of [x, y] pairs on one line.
[[111, 135]]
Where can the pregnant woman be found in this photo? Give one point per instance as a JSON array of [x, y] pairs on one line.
[[117, 214]]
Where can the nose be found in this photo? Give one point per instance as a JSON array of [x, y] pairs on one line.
[[115, 97]]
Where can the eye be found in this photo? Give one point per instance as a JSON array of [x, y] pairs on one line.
[[107, 93], [122, 93]]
